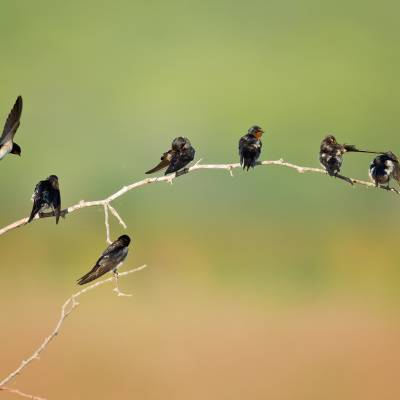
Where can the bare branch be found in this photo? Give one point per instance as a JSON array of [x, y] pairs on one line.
[[117, 216], [108, 239], [22, 394], [169, 179], [67, 308], [116, 289]]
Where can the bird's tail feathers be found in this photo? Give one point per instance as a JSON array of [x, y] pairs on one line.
[[89, 277], [35, 210], [158, 167], [57, 213]]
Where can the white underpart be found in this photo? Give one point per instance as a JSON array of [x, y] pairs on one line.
[[371, 170], [116, 268], [323, 155], [5, 149], [389, 167]]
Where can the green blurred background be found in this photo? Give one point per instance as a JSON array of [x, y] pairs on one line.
[[270, 284]]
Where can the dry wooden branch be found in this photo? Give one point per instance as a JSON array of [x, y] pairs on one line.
[[67, 308], [105, 203], [21, 394]]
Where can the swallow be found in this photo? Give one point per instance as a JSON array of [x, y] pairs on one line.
[[250, 147], [110, 260], [331, 156], [7, 144], [180, 155], [46, 196], [383, 168]]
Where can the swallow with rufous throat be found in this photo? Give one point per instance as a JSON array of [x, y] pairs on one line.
[[250, 147]]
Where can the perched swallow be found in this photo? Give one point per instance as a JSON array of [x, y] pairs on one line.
[[112, 257], [331, 156], [250, 147], [383, 168], [46, 196], [10, 128], [180, 155]]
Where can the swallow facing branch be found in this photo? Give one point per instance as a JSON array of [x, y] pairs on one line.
[[47, 196], [7, 144], [180, 155], [250, 147], [331, 156], [110, 260]]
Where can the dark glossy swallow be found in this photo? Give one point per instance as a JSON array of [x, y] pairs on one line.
[[7, 144], [180, 155], [250, 147], [384, 167], [112, 257], [331, 156], [46, 196]]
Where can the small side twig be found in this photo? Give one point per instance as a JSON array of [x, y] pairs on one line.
[[117, 216], [107, 223], [116, 289], [21, 394]]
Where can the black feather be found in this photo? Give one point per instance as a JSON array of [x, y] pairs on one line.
[[47, 195], [112, 256]]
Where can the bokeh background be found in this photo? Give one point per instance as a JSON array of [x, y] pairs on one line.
[[270, 284]]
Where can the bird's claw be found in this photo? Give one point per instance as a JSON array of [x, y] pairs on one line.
[[197, 162], [170, 179], [121, 294]]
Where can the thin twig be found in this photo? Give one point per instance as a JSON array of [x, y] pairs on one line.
[[108, 239], [117, 216], [67, 308], [22, 394], [169, 179], [116, 289]]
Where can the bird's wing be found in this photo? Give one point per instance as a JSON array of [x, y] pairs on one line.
[[37, 199], [242, 142], [396, 171], [12, 122], [180, 160], [103, 265], [352, 148], [56, 202], [112, 248], [111, 257], [165, 160]]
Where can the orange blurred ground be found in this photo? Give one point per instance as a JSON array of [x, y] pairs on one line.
[[183, 345]]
